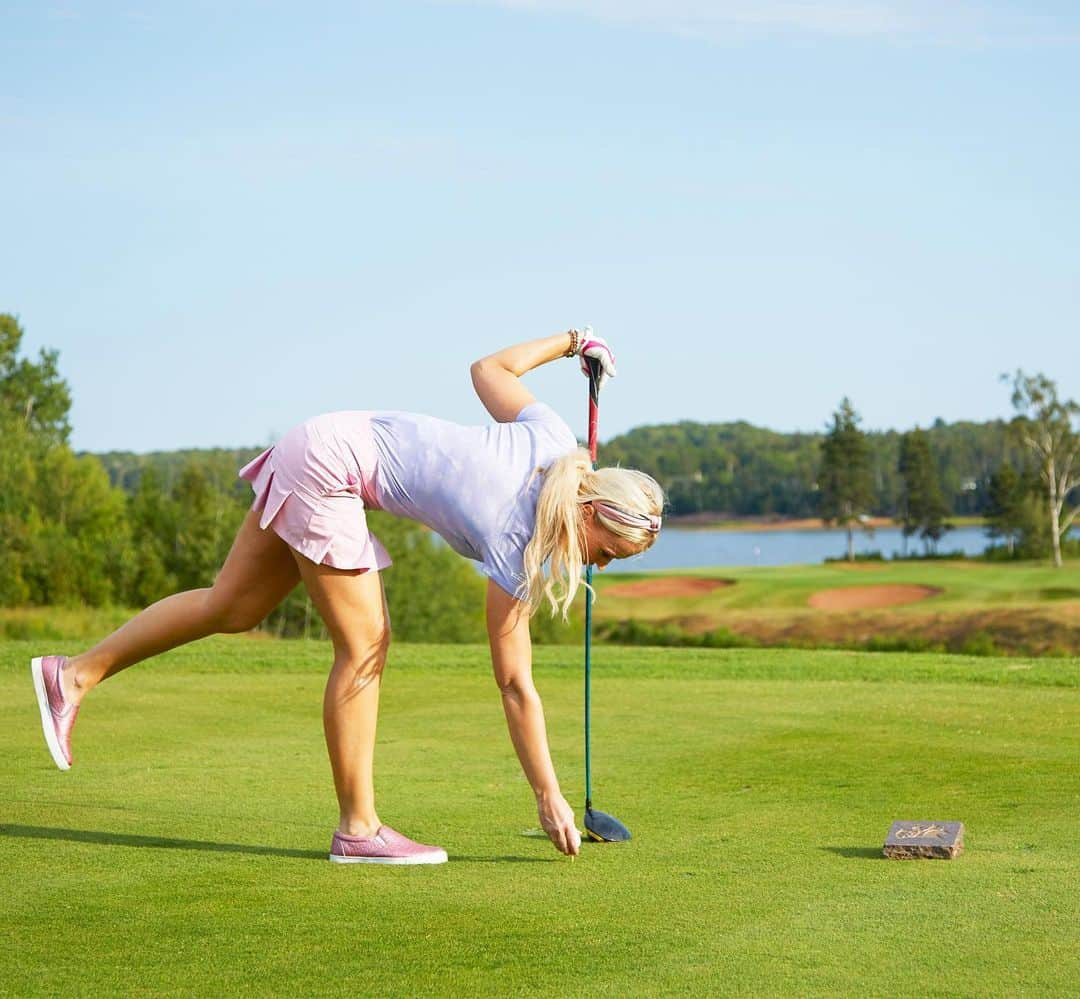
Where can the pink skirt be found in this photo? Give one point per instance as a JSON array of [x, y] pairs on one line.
[[312, 488]]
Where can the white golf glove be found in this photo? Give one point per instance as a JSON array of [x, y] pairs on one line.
[[597, 347]]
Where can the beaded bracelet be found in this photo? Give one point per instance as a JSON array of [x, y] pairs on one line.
[[575, 344]]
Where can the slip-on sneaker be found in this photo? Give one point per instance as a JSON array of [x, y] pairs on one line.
[[57, 716], [385, 847]]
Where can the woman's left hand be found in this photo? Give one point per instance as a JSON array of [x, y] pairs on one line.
[[557, 818], [597, 348]]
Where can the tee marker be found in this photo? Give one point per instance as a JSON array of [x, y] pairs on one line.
[[924, 841]]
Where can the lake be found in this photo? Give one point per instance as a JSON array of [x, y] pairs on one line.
[[680, 548]]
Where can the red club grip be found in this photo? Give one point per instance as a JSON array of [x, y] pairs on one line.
[[593, 366]]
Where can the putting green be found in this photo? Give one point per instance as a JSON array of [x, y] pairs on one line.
[[185, 851]]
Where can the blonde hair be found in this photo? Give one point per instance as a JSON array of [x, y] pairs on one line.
[[567, 484]]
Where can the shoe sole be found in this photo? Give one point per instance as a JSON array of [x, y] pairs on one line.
[[47, 726], [421, 858]]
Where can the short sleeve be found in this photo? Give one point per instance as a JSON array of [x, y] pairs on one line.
[[541, 416], [504, 564]]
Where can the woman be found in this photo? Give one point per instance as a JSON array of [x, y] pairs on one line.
[[518, 496]]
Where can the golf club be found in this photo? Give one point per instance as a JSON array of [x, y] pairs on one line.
[[600, 827]]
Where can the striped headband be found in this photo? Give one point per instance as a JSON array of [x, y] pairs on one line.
[[644, 521]]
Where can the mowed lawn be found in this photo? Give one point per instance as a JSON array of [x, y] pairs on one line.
[[185, 852]]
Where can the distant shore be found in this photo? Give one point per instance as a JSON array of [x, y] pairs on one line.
[[725, 522]]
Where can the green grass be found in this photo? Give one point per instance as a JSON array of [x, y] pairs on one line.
[[184, 854]]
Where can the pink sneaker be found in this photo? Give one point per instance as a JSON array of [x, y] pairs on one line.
[[385, 847], [57, 716]]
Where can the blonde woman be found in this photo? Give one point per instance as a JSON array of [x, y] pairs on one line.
[[517, 496]]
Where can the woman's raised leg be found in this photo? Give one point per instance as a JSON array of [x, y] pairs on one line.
[[257, 575]]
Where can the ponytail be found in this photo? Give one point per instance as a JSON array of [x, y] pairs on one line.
[[557, 537]]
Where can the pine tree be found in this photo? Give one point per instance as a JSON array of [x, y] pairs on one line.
[[845, 483], [922, 507]]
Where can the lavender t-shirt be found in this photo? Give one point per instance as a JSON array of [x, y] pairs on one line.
[[474, 486]]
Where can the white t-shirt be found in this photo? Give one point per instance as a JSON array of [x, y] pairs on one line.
[[474, 486]]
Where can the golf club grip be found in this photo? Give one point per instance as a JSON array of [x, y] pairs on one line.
[[593, 366]]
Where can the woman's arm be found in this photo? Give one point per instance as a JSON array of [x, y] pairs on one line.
[[497, 377], [511, 658]]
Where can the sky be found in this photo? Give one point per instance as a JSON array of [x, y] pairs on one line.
[[228, 217]]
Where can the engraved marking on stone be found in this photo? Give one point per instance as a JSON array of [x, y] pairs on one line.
[[921, 832]]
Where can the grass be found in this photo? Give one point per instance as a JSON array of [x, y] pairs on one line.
[[53, 624], [1021, 608], [184, 854]]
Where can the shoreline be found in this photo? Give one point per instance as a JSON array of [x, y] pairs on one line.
[[719, 522]]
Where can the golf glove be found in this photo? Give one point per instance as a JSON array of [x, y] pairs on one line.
[[597, 347]]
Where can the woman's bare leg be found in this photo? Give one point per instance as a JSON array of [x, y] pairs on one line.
[[258, 574], [353, 607]]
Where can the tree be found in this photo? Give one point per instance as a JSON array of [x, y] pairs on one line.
[[922, 507], [1045, 424], [153, 517], [19, 521], [1005, 512], [845, 483], [34, 404], [83, 534], [207, 520], [32, 394], [63, 528]]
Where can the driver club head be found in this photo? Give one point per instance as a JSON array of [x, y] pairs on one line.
[[604, 828]]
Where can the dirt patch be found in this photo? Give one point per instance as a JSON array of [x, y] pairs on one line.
[[849, 598], [668, 586]]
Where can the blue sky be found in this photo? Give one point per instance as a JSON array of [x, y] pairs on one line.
[[231, 216]]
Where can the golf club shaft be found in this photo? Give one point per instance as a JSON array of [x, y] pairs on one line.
[[588, 705], [594, 420]]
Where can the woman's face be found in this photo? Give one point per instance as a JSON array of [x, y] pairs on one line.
[[598, 545]]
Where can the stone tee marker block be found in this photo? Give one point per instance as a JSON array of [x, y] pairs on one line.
[[925, 840]]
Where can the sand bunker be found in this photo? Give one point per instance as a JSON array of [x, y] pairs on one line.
[[668, 586], [849, 598]]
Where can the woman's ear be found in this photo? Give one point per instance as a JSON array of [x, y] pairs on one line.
[[588, 513]]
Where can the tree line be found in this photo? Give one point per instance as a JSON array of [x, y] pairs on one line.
[[124, 529], [741, 470], [1022, 475], [1031, 510]]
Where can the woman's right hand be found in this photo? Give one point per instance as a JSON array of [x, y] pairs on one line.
[[557, 820], [596, 347]]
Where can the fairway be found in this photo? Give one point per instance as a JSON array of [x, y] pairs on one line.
[[185, 852]]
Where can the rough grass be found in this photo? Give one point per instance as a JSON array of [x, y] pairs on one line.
[[184, 854], [982, 608]]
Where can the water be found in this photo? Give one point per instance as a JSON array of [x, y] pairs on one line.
[[677, 548]]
